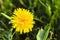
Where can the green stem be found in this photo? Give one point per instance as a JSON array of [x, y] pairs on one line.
[[30, 4], [6, 16], [10, 35], [21, 1], [3, 24], [42, 3], [36, 18]]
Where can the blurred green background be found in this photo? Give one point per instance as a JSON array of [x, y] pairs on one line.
[[45, 12]]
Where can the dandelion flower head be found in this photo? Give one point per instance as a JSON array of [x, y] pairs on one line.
[[22, 20]]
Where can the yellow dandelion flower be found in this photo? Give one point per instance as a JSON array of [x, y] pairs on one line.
[[22, 20]]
